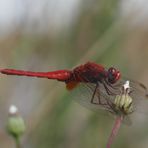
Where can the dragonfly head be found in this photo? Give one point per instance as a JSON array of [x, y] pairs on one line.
[[113, 75]]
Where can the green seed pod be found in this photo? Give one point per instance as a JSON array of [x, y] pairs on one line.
[[15, 124]]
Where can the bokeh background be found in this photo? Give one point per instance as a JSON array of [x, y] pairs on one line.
[[45, 35]]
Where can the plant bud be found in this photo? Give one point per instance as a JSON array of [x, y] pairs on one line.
[[15, 124]]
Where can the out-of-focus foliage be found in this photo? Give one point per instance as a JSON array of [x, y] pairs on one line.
[[98, 33]]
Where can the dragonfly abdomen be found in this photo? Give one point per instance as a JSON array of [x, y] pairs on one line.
[[60, 75]]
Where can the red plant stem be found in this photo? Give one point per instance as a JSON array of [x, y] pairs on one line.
[[115, 129], [61, 75]]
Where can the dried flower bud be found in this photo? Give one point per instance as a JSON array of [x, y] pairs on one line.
[[124, 102]]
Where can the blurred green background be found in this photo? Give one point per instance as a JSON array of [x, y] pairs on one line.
[[50, 35]]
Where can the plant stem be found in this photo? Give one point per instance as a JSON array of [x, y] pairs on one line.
[[17, 141], [114, 131]]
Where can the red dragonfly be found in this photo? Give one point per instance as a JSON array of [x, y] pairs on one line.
[[93, 75], [100, 88]]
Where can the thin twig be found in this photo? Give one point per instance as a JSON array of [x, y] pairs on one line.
[[115, 129]]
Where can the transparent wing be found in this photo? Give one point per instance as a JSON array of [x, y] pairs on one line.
[[139, 95], [83, 95], [105, 94]]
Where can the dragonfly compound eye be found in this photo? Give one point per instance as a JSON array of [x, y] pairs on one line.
[[113, 75]]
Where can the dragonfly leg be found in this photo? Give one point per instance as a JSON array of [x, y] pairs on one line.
[[131, 92], [93, 96], [98, 97], [109, 92], [112, 107], [107, 103], [115, 87]]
